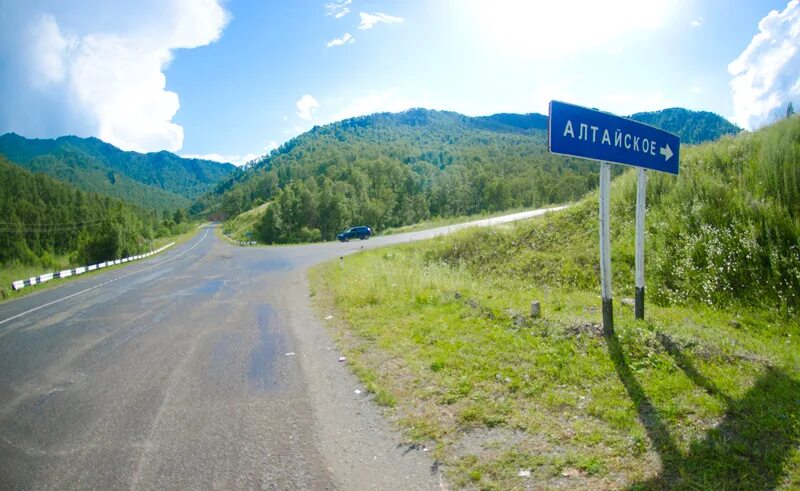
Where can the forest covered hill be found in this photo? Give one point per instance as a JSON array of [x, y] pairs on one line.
[[394, 169], [704, 393], [45, 219], [692, 126], [160, 180]]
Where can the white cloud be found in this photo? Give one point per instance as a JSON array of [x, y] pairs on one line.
[[49, 50], [237, 160], [622, 103], [559, 90], [376, 101], [306, 106], [295, 130], [531, 30], [337, 8], [697, 22], [346, 39], [368, 21], [626, 103], [389, 100], [767, 73], [115, 83]]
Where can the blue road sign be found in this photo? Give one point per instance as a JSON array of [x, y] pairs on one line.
[[591, 134]]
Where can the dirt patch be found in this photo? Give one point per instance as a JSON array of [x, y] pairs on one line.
[[490, 443], [590, 329], [676, 346]]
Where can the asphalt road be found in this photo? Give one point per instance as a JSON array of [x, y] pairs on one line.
[[203, 367]]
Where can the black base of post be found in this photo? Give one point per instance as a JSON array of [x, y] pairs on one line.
[[608, 317], [638, 308]]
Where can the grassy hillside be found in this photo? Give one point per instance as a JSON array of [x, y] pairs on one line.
[[391, 170], [154, 180], [238, 227], [702, 394], [724, 231]]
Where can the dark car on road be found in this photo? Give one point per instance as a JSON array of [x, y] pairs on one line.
[[361, 232]]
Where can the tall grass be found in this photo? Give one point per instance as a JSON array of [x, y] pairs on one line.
[[725, 230], [238, 226]]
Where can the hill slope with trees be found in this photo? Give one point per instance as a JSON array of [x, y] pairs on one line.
[[390, 170], [394, 169], [692, 126], [702, 393], [726, 229], [44, 218], [159, 180]]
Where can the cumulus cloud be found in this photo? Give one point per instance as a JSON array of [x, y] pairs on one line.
[[615, 101], [389, 100], [697, 22], [530, 30], [374, 101], [766, 76], [306, 106], [49, 48], [346, 39], [237, 160], [368, 21], [337, 8], [113, 81]]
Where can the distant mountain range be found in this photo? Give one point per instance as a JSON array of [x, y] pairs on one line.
[[499, 144], [391, 169], [160, 180], [692, 126]]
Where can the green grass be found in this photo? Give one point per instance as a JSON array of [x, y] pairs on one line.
[[13, 272], [682, 399], [702, 394], [445, 221], [238, 226]]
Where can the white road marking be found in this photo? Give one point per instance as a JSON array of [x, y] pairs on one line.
[[103, 284]]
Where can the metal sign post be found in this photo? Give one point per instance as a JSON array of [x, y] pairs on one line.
[[591, 134], [641, 194], [605, 248]]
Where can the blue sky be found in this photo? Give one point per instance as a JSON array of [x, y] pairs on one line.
[[232, 79]]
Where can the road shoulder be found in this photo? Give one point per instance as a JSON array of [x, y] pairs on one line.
[[362, 449]]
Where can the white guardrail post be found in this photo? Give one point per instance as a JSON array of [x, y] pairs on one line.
[[35, 280]]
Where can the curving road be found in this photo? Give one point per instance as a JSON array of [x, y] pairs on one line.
[[204, 367]]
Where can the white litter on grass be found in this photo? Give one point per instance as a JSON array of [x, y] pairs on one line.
[[328, 317], [342, 359], [524, 473], [357, 391], [291, 353]]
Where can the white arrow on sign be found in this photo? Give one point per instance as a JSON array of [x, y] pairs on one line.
[[666, 152]]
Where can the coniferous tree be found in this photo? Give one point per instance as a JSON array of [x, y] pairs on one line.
[[47, 222]]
